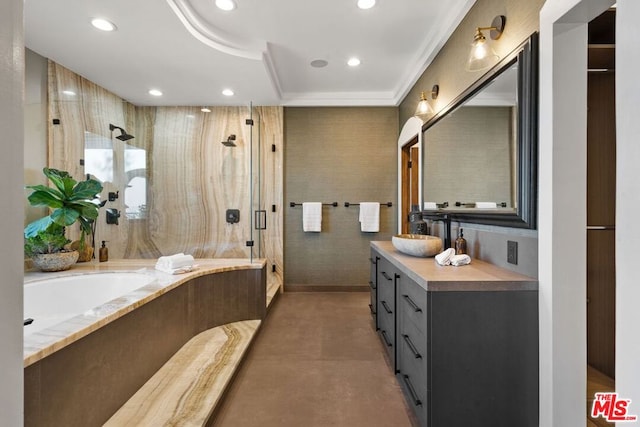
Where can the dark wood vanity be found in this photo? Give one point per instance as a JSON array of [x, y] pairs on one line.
[[463, 341]]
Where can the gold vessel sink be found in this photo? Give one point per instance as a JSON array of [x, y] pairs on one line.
[[417, 244]]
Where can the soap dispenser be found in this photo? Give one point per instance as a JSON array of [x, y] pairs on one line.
[[461, 243], [104, 252]]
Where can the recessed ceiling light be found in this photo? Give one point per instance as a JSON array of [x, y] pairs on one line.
[[353, 62], [205, 110], [155, 92], [366, 4], [319, 63], [227, 92], [226, 4], [103, 25], [69, 92]]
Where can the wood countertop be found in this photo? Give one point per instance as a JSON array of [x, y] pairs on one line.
[[478, 276]]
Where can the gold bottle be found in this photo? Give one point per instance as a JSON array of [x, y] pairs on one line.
[[104, 252], [461, 243]]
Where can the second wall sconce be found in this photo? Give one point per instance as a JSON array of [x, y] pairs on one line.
[[482, 55], [424, 109]]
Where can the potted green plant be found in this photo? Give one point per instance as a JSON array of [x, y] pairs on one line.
[[70, 202]]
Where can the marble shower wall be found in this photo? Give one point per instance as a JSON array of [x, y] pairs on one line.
[[192, 179]]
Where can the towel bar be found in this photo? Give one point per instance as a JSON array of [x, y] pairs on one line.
[[347, 204], [294, 204]]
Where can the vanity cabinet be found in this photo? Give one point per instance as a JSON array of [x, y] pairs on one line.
[[464, 340]]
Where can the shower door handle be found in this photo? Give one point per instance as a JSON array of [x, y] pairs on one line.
[[260, 219]]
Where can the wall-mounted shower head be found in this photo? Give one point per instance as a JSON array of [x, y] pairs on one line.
[[230, 142], [124, 136]]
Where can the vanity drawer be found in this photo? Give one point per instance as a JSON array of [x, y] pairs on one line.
[[412, 302], [415, 395], [386, 318], [412, 350]]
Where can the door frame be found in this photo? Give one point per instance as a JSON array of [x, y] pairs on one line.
[[410, 135]]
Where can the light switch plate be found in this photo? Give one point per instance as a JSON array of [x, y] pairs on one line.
[[512, 252]]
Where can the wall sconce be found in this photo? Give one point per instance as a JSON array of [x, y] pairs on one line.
[[482, 55], [424, 109]]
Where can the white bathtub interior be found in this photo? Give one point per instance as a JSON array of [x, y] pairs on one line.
[[52, 301]]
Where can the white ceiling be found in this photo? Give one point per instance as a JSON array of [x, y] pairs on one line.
[[262, 50]]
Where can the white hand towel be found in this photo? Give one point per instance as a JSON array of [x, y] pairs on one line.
[[444, 257], [486, 205], [458, 260], [369, 217], [312, 216], [430, 205]]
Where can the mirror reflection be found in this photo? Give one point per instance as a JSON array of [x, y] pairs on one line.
[[470, 154]]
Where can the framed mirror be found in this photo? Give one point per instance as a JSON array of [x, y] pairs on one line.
[[479, 154]]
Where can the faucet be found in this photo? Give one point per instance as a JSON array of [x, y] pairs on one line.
[[446, 221]]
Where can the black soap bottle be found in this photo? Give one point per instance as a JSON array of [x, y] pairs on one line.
[[461, 243], [104, 252]]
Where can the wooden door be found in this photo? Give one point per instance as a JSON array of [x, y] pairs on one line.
[[410, 180]]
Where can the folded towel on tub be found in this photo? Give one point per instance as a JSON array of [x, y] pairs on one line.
[[175, 264]]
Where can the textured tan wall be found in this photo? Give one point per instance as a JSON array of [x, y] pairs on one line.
[[192, 178], [343, 155], [448, 68]]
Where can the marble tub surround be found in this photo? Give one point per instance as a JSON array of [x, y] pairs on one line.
[[50, 340], [477, 276], [186, 390], [110, 363]]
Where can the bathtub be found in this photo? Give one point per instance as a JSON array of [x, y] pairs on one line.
[[113, 344], [49, 302]]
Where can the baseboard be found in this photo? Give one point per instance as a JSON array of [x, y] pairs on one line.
[[326, 288]]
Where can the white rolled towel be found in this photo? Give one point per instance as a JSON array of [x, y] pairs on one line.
[[430, 205], [458, 260], [444, 257], [177, 263]]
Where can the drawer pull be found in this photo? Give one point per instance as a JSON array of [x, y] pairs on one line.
[[386, 340], [412, 391], [386, 307], [412, 304], [372, 285], [412, 347], [371, 309], [386, 276]]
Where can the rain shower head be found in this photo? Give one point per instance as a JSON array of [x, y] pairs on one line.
[[124, 136], [230, 142]]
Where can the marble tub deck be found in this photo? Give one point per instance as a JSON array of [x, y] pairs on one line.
[[43, 343]]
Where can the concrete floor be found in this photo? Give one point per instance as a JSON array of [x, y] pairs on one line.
[[316, 362]]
